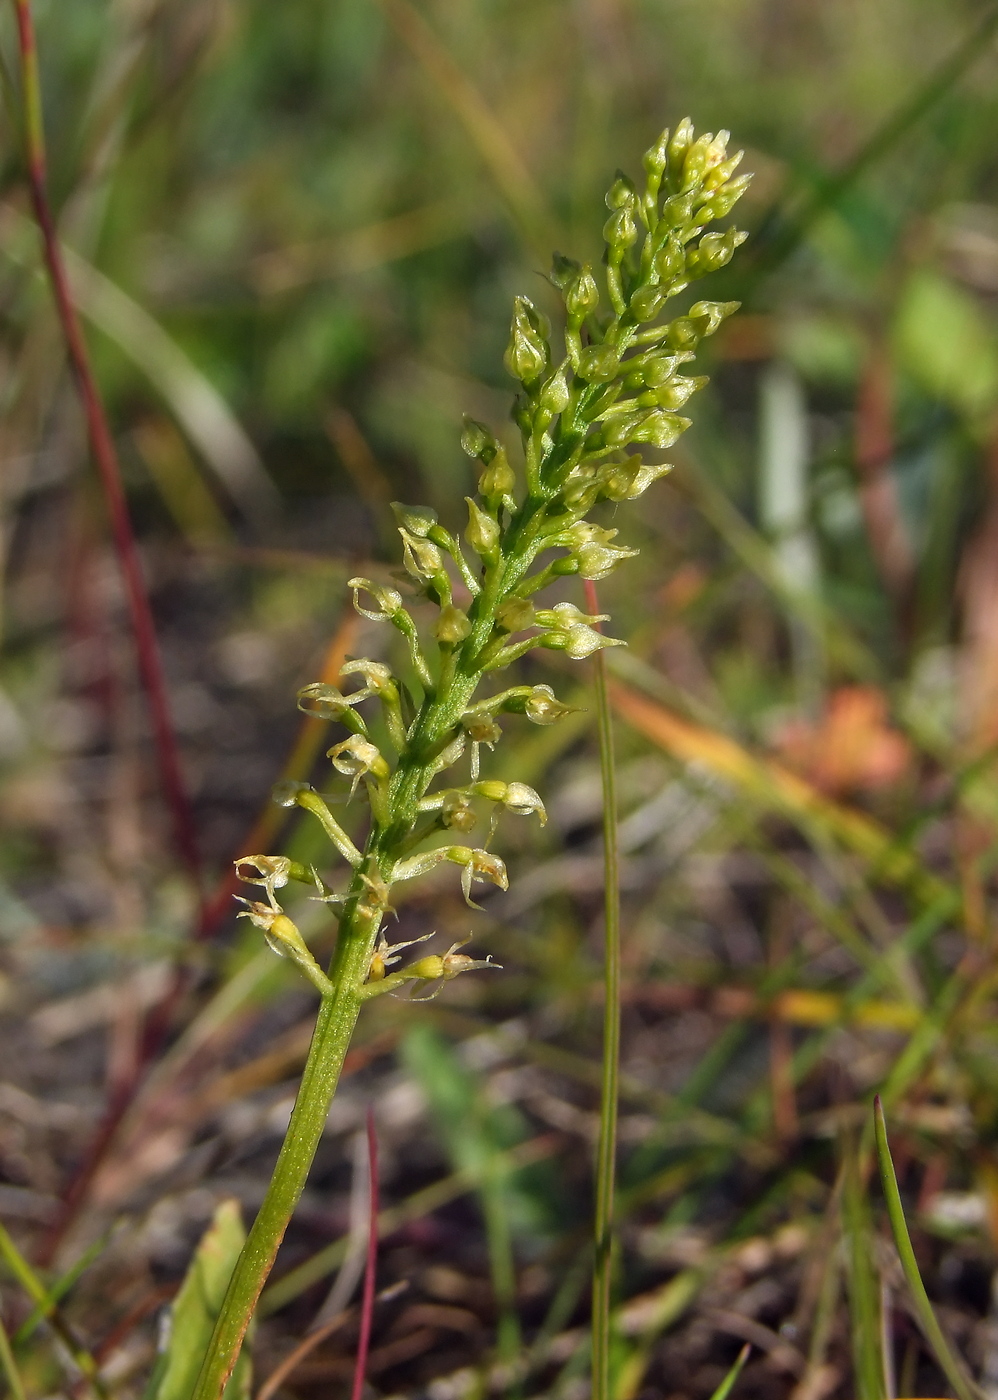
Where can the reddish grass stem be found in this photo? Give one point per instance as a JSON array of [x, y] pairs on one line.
[[370, 1271], [102, 446]]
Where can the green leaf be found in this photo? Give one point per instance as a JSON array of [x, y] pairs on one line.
[[950, 1363], [864, 1289], [195, 1310]]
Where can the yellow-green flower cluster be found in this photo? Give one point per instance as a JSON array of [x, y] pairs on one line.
[[616, 381]]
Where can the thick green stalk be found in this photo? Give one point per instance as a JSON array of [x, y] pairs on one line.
[[606, 1153]]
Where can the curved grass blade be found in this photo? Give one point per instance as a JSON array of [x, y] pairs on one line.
[[728, 1384], [951, 1365]]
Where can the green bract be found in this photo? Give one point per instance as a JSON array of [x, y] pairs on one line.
[[612, 382]]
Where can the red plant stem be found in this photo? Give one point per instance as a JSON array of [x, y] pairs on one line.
[[102, 446], [370, 1272]]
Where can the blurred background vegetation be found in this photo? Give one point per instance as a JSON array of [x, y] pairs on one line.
[[294, 233]]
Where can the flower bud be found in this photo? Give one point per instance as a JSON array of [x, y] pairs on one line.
[[452, 626], [713, 251], [708, 315], [695, 163], [659, 429], [660, 370], [599, 363], [677, 211], [592, 547], [646, 302], [683, 334], [670, 260], [498, 479], [721, 173], [681, 138], [723, 200], [389, 600], [677, 391], [526, 355], [565, 615], [554, 397], [482, 532], [631, 479], [421, 557], [579, 641], [418, 520], [618, 431], [619, 232], [285, 793], [477, 441], [515, 615], [581, 295], [564, 270], [542, 706], [621, 194], [655, 159]]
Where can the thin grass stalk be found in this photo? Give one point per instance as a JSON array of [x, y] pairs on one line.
[[775, 243], [39, 1295], [606, 1151], [950, 1363], [371, 1269], [105, 455], [8, 1366]]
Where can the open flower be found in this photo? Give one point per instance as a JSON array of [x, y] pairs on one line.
[[355, 758]]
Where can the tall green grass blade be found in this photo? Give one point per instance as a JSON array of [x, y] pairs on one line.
[[58, 1291], [39, 1295], [606, 1151], [472, 1136], [9, 1367], [863, 1288], [950, 1364], [777, 246], [728, 1384]]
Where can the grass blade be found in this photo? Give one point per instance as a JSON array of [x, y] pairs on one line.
[[863, 1285], [196, 1307], [606, 1151], [9, 1367], [950, 1364], [728, 1384]]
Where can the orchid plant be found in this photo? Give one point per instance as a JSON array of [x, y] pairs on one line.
[[616, 381]]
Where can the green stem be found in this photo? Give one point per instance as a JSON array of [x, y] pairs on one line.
[[606, 1153]]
